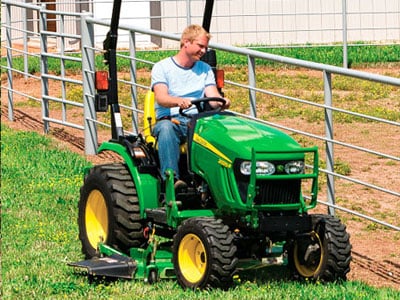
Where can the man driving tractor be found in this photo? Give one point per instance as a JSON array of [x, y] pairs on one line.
[[176, 81]]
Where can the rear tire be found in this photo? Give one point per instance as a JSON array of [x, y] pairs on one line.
[[324, 255], [109, 210], [204, 255]]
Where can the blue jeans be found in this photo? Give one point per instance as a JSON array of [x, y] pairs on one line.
[[169, 137]]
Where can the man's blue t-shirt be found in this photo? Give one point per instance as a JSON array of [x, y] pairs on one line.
[[181, 82]]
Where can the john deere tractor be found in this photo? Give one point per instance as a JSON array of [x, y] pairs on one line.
[[250, 188]]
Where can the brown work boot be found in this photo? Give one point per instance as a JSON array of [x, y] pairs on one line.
[[180, 185]]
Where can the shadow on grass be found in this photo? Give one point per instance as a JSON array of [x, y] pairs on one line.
[[267, 274]]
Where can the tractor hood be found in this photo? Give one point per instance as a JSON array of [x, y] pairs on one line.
[[235, 137]]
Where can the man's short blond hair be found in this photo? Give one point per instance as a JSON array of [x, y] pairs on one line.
[[192, 32]]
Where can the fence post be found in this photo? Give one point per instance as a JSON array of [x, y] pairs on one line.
[[329, 138], [63, 69], [132, 49], [88, 69], [9, 64], [344, 21], [44, 69], [188, 13], [25, 42], [252, 84]]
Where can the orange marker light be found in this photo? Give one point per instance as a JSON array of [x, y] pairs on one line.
[[101, 81], [220, 78]]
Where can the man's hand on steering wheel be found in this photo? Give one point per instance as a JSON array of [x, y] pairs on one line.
[[223, 104], [215, 103]]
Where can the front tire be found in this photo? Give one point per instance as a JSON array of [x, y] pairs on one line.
[[324, 254], [204, 254], [109, 210]]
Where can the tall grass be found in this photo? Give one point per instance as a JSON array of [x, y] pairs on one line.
[[39, 197]]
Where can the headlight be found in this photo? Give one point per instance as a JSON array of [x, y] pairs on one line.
[[294, 167], [262, 167]]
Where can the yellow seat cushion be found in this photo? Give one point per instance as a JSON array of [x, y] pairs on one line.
[[149, 120], [149, 117]]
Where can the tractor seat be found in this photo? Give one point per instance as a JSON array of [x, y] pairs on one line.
[[149, 120]]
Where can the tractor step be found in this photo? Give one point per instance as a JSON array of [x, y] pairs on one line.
[[157, 215], [110, 266]]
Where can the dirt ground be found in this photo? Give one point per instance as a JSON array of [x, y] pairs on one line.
[[375, 252]]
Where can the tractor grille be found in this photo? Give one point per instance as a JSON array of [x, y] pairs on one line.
[[277, 192], [273, 192]]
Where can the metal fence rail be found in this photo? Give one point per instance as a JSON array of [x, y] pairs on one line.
[[43, 53], [249, 85]]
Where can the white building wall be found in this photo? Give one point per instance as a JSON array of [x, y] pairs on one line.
[[244, 22], [285, 22], [133, 13]]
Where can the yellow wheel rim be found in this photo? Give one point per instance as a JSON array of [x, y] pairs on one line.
[[310, 269], [192, 258], [96, 218]]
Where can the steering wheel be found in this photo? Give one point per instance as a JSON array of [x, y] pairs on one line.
[[202, 107]]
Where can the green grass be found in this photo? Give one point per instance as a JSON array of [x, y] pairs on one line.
[[358, 55], [39, 197]]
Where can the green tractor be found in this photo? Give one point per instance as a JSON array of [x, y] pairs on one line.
[[250, 187]]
